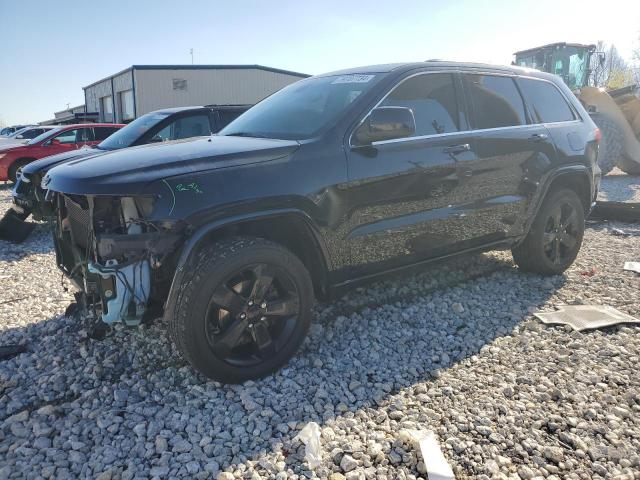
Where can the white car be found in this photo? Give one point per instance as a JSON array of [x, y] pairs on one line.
[[24, 134]]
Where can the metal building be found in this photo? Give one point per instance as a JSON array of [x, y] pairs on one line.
[[140, 89], [78, 114]]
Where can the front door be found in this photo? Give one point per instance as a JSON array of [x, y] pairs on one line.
[[402, 193]]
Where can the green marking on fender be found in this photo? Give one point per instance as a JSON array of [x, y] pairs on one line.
[[185, 187]]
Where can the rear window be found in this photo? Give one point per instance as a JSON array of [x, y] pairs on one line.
[[103, 132], [546, 101], [228, 116], [496, 101]]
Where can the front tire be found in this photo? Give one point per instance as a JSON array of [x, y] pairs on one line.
[[554, 240], [15, 168], [611, 148], [629, 166], [243, 310]]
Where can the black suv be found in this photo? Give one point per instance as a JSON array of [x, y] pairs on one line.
[[154, 127], [334, 179]]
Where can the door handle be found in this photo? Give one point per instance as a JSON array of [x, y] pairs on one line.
[[454, 149], [538, 137]]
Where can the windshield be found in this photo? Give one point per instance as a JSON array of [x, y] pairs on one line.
[[44, 136], [126, 136], [18, 132], [302, 109]]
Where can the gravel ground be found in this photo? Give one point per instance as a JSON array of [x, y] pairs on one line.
[[455, 350], [617, 186]]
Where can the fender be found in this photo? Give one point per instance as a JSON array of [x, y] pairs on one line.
[[190, 247], [545, 183]]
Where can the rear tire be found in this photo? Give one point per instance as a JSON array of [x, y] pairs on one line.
[[555, 237], [610, 150], [243, 310]]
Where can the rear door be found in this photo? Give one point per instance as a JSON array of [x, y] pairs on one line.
[[402, 193], [85, 137], [548, 106], [509, 145]]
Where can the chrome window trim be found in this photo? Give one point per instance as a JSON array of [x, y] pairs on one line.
[[467, 132], [463, 132]]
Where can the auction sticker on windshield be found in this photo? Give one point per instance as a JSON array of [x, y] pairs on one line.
[[355, 78]]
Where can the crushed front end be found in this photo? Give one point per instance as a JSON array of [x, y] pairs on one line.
[[121, 263]]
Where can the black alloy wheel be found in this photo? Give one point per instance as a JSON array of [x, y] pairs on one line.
[[252, 315], [554, 239], [561, 233], [243, 309]]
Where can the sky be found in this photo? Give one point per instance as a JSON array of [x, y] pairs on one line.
[[50, 50]]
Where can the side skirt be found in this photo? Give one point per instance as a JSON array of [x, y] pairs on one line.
[[339, 289]]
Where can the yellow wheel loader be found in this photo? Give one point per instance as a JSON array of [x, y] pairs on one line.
[[616, 112]]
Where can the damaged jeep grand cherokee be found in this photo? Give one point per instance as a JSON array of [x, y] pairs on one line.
[[335, 179]]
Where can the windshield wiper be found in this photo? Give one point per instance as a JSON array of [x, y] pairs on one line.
[[248, 134]]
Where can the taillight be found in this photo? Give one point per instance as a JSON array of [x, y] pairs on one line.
[[598, 135]]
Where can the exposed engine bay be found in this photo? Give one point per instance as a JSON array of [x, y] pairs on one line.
[[122, 263]]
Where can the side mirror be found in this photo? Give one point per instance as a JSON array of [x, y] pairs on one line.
[[54, 141], [386, 123], [20, 137]]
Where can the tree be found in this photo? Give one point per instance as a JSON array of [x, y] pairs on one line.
[[636, 61], [612, 71]]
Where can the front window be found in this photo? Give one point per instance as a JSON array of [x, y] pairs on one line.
[[302, 109], [32, 133], [126, 136], [46, 135], [432, 99], [67, 137]]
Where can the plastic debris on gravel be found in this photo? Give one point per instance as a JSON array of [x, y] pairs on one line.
[[586, 317]]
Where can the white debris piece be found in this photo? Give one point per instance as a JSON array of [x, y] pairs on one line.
[[426, 442], [310, 436], [586, 317], [632, 266]]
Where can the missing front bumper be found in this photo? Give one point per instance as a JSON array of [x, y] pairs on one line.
[[125, 290]]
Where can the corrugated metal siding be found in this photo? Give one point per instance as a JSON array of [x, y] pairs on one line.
[[121, 83], [95, 93], [155, 88]]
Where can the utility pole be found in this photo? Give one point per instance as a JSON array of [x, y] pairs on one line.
[[191, 52]]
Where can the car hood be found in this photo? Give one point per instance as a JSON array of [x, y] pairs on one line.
[[5, 146], [51, 161], [127, 171], [13, 142]]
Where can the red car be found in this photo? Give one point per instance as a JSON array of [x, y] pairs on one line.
[[58, 140]]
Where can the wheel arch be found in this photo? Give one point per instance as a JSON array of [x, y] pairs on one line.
[[293, 229], [576, 180], [574, 177], [21, 159]]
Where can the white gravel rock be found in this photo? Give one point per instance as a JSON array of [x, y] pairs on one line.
[[455, 350]]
